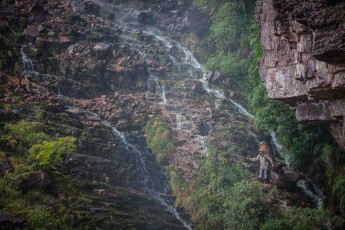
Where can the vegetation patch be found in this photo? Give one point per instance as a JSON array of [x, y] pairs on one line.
[[159, 139], [48, 153], [28, 148]]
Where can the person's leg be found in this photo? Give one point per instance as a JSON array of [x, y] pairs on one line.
[[261, 174], [266, 173]]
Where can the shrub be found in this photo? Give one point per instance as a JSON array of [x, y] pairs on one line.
[[246, 205], [338, 190], [49, 153], [210, 189], [298, 219], [23, 135], [42, 217]]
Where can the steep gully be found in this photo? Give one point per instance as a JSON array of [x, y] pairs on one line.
[[180, 91]]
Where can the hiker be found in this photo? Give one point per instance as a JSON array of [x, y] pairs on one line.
[[265, 163]]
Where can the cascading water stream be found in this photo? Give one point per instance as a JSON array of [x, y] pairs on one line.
[[27, 63], [311, 190], [241, 109], [275, 141], [130, 147], [157, 87], [147, 178], [164, 94]]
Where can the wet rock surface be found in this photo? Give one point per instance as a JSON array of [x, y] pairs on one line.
[[100, 80], [37, 180], [304, 56], [11, 221]]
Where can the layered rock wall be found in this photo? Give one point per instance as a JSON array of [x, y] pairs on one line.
[[303, 61]]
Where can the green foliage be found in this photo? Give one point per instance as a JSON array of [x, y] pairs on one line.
[[49, 153], [298, 219], [227, 64], [339, 190], [211, 189], [179, 186], [228, 41], [224, 29], [247, 205], [20, 136], [43, 217], [159, 139]]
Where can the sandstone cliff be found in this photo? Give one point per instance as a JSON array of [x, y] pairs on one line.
[[303, 61]]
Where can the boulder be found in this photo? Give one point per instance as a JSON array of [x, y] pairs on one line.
[[283, 176], [279, 180], [215, 77], [291, 175]]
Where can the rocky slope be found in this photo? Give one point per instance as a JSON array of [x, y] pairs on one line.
[[99, 71], [303, 62]]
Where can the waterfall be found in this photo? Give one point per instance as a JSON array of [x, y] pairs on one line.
[[147, 178], [241, 109], [157, 88], [311, 190], [180, 121], [163, 94], [275, 141], [174, 61], [254, 135], [203, 144], [27, 63], [131, 147]]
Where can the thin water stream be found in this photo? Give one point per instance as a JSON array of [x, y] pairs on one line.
[[148, 185]]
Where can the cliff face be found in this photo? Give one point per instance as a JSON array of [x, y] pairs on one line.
[[303, 61], [100, 71]]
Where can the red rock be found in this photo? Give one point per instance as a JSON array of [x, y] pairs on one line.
[[97, 124], [64, 38], [291, 175], [278, 180], [86, 103]]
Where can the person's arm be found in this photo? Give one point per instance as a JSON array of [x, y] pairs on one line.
[[254, 158]]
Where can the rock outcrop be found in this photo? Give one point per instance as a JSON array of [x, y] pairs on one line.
[[303, 61]]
